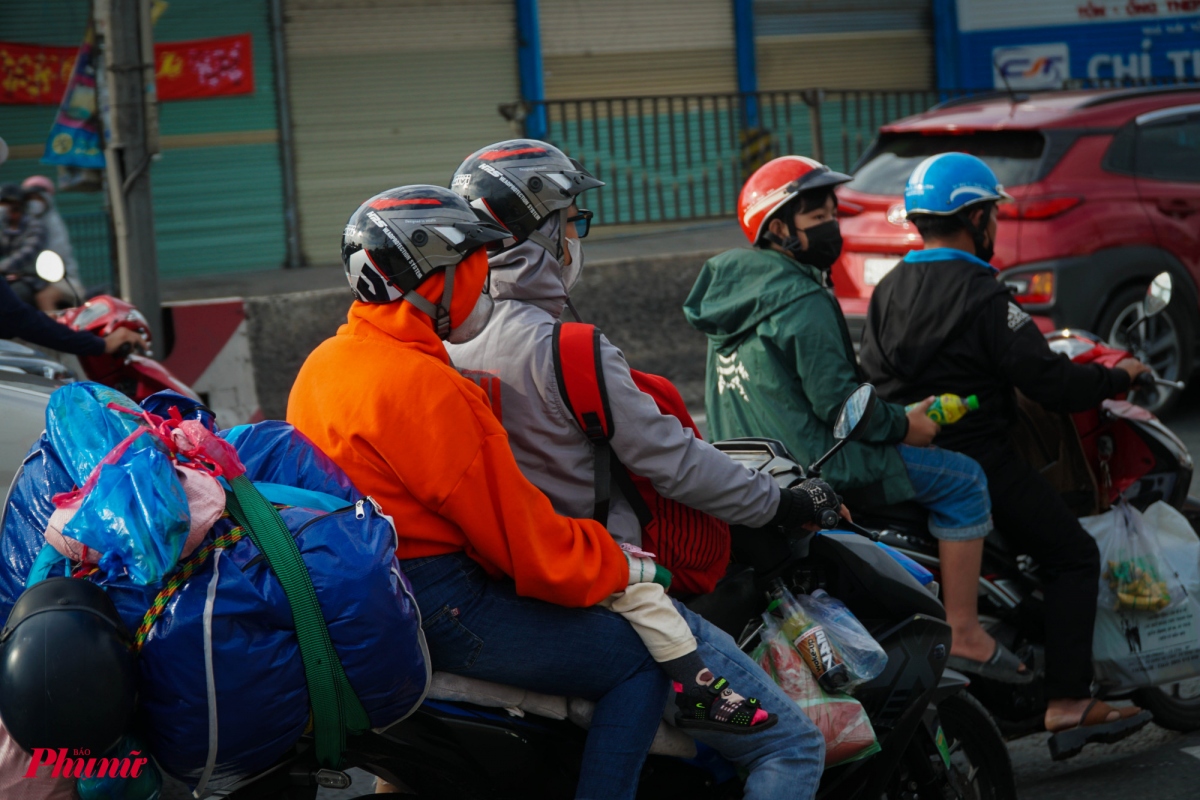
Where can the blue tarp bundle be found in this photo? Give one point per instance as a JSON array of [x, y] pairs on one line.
[[223, 691]]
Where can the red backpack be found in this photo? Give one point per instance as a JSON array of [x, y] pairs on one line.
[[692, 544]]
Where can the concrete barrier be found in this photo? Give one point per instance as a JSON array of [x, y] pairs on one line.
[[637, 302]]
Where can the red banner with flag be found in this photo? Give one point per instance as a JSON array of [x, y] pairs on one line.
[[32, 74]]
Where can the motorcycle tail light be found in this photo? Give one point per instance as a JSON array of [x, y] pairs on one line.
[[1032, 289]]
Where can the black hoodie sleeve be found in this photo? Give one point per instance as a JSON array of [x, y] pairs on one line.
[[1024, 358], [19, 319]]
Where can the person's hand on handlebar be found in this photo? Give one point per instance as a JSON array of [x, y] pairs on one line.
[[809, 505], [123, 341], [1134, 368], [921, 429]]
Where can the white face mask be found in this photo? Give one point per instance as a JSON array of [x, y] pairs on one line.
[[36, 207], [573, 271], [475, 322]]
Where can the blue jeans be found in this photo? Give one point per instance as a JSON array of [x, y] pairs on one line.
[[481, 628], [953, 488], [784, 761]]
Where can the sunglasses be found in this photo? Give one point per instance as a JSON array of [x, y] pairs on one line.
[[583, 222]]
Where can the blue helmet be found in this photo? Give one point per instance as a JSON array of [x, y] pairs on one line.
[[949, 182]]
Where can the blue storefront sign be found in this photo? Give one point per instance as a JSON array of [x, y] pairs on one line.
[[1044, 44]]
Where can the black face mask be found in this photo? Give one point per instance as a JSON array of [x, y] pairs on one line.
[[824, 245], [983, 250]]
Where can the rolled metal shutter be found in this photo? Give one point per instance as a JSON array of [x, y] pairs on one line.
[[623, 48], [217, 186], [844, 44], [387, 94]]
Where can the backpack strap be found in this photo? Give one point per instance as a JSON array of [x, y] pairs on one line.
[[581, 385]]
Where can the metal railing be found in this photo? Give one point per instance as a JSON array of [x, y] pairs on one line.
[[91, 244], [685, 157]]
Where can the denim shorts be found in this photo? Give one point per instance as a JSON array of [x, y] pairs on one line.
[[953, 488]]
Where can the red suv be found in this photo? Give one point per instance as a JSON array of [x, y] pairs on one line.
[[1107, 189]]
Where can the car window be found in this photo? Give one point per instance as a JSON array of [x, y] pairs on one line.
[[1012, 155], [1169, 150]]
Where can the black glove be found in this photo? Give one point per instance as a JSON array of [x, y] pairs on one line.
[[803, 504]]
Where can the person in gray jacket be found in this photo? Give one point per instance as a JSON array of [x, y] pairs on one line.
[[530, 187]]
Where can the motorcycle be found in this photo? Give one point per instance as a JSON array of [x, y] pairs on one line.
[[134, 374], [130, 373], [1115, 450], [936, 740]]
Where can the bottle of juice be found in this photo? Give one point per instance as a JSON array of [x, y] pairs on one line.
[[809, 639], [948, 409]]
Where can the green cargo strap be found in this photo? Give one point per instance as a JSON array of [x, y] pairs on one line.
[[335, 707]]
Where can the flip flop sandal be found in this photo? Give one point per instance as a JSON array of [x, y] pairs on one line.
[[744, 717], [1093, 728], [1004, 666]]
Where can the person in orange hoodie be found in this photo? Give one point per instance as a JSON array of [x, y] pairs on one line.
[[506, 586]]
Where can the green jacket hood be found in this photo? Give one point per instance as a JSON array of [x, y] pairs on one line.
[[740, 288]]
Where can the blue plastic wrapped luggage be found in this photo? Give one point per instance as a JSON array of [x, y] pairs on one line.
[[223, 690]]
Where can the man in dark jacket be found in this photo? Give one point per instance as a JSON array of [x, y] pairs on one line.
[[941, 322]]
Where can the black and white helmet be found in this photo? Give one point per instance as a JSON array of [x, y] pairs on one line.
[[521, 182], [398, 238]]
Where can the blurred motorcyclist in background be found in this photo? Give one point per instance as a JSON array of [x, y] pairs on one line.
[[40, 204], [22, 240], [780, 362], [941, 321]]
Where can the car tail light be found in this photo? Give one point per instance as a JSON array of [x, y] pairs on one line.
[[848, 209], [1032, 288], [1038, 208]]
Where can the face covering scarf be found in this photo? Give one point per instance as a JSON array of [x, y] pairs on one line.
[[573, 271]]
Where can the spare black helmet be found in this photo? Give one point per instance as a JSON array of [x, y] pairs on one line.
[[521, 182], [68, 673]]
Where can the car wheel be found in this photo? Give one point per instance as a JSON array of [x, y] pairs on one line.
[[1168, 347]]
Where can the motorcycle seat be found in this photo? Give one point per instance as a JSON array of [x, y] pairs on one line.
[[909, 518], [668, 741]]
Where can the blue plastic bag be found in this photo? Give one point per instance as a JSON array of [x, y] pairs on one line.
[[82, 429], [135, 512]]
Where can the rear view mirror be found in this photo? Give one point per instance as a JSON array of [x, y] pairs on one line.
[[851, 422], [855, 414], [1158, 295]]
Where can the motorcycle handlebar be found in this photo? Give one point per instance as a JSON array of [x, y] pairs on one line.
[[841, 523], [1147, 380]]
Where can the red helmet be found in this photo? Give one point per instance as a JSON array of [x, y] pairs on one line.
[[774, 184]]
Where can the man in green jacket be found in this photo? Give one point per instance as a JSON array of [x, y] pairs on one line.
[[780, 363]]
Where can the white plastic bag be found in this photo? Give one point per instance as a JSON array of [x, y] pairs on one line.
[[1135, 648]]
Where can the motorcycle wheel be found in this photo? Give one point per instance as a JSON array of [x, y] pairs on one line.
[[979, 759], [1175, 706]]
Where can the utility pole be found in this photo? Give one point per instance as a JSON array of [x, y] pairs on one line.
[[131, 139]]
